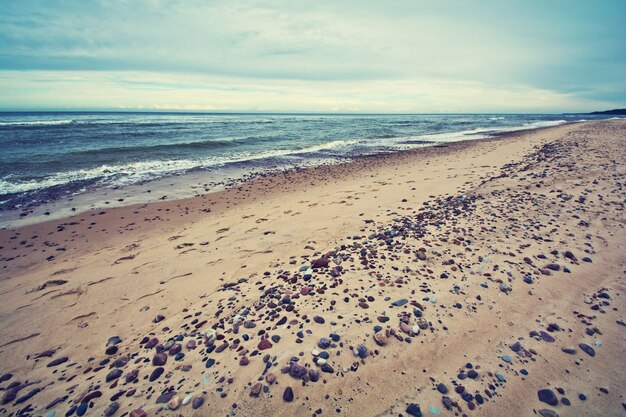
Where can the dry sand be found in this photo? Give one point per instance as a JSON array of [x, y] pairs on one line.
[[511, 249]]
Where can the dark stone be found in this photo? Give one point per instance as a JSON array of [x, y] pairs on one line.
[[587, 349], [547, 396], [111, 409], [165, 397], [197, 402], [57, 362], [113, 375], [414, 410], [159, 359], [320, 263], [288, 395], [156, 374], [82, 409]]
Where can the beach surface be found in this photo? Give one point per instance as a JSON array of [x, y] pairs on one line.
[[479, 278]]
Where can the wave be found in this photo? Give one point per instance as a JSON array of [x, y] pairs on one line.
[[483, 132], [134, 172], [194, 145], [38, 123]]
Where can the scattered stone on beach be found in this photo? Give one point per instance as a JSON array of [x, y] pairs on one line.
[[414, 410], [256, 389], [547, 396], [111, 409], [159, 359], [288, 395], [587, 349]]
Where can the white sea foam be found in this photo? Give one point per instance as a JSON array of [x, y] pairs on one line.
[[125, 174], [480, 133], [37, 123]]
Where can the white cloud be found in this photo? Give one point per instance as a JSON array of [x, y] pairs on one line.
[[165, 91]]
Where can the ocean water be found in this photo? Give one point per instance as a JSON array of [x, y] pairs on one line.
[[49, 156]]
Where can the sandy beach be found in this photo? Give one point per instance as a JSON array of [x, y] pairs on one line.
[[481, 278]]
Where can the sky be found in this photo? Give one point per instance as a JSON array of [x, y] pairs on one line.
[[402, 56]]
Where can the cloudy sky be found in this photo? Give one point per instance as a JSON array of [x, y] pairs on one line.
[[318, 56]]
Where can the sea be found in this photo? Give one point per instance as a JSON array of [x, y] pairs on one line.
[[47, 157]]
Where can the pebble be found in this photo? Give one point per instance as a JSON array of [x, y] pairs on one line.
[[380, 339], [587, 349], [114, 340], [400, 302], [156, 374], [288, 395], [114, 374], [138, 412], [569, 350], [414, 410], [547, 396], [432, 410], [319, 320], [545, 412], [111, 409], [57, 362], [159, 359], [197, 402], [174, 403], [256, 389], [264, 344], [442, 388]]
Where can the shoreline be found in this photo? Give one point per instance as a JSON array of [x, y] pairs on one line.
[[66, 208], [200, 181], [295, 257]]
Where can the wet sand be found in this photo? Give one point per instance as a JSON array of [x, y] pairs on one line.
[[482, 278]]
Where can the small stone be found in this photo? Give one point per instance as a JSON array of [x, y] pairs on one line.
[[546, 337], [547, 396], [569, 350], [111, 409], [270, 378], [400, 302], [545, 412], [138, 412], [320, 263], [288, 395], [264, 344], [380, 339], [587, 349], [174, 403], [414, 410], [256, 389], [197, 402], [114, 374], [159, 359], [114, 340], [244, 361], [57, 362], [442, 388], [156, 374], [319, 320]]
